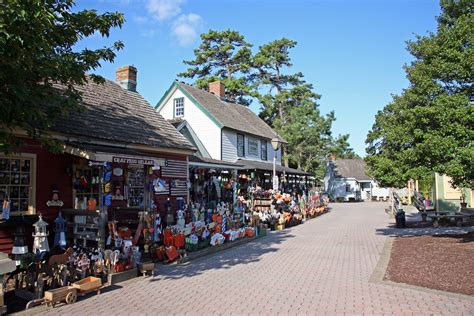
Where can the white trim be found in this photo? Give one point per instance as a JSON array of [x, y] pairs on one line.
[[32, 187]]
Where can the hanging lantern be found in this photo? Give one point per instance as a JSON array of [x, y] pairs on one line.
[[60, 232], [40, 243]]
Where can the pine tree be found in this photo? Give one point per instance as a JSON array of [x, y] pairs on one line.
[[225, 56]]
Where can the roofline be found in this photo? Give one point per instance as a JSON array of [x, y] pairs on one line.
[[142, 147], [244, 132], [199, 144], [176, 85]]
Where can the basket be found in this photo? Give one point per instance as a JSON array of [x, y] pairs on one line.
[[191, 247], [204, 243]]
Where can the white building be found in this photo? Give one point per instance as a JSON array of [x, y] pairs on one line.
[[346, 180]]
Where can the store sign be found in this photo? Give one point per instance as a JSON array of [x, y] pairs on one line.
[[275, 183], [135, 161]]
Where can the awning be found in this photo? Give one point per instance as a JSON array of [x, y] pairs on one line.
[[212, 163], [112, 154], [268, 166]]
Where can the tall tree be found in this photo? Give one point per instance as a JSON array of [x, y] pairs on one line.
[[270, 62], [37, 45], [307, 132], [430, 126], [225, 56], [341, 148]]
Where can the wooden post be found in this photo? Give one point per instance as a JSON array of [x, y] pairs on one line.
[[409, 191]]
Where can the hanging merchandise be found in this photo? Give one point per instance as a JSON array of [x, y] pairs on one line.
[[6, 209], [159, 185]]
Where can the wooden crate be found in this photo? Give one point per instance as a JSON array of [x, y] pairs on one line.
[[88, 284]]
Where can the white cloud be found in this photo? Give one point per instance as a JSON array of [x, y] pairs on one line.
[[163, 10], [139, 19], [187, 28]]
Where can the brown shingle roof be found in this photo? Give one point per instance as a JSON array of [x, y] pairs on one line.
[[350, 168], [116, 114], [230, 115]]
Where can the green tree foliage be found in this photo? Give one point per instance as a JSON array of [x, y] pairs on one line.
[[37, 39], [269, 64], [341, 148], [288, 103], [429, 127], [225, 56]]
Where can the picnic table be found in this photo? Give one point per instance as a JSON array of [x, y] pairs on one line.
[[459, 216]]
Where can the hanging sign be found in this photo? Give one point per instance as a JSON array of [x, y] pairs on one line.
[[275, 183], [136, 161]]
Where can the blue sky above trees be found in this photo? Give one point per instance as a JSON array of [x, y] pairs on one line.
[[352, 51]]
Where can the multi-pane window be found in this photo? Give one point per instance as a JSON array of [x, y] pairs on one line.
[[178, 107], [263, 144], [240, 145], [253, 147], [15, 182]]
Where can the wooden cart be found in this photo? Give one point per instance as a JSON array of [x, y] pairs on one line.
[[69, 294]]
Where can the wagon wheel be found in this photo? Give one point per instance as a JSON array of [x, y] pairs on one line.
[[71, 297]]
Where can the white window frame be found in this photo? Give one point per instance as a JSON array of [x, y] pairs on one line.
[[32, 186], [178, 111]]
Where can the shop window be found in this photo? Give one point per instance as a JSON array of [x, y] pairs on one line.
[[178, 107], [253, 147], [16, 183], [263, 144], [240, 145], [136, 186], [87, 185]]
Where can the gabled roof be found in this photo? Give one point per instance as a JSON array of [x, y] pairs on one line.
[[225, 114], [187, 131], [350, 168], [115, 114]]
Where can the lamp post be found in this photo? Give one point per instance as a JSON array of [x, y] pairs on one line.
[[276, 142]]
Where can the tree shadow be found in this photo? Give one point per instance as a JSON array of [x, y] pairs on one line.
[[392, 231], [243, 254], [462, 238]]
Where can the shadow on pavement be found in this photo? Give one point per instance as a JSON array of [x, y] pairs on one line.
[[226, 259]]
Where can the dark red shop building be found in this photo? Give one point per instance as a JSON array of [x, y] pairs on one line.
[[120, 158]]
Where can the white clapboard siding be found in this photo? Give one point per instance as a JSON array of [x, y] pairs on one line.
[[229, 147], [206, 130]]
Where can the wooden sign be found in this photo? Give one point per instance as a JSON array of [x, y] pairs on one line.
[[135, 161]]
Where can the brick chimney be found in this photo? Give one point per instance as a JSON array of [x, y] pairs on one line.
[[217, 88], [126, 76]]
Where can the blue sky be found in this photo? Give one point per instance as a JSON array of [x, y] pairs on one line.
[[351, 51]]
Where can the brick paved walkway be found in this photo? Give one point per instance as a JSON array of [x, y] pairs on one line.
[[321, 267]]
